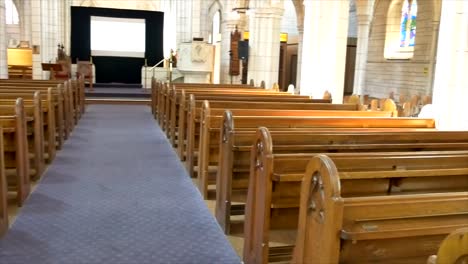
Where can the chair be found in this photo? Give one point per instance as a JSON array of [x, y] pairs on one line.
[[65, 74], [85, 69]]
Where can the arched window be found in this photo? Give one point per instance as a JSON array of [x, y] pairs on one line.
[[400, 36], [216, 29], [11, 13], [409, 11]]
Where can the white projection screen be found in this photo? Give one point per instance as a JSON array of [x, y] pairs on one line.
[[118, 37]]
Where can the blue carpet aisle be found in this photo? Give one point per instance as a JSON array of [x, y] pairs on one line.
[[116, 193]]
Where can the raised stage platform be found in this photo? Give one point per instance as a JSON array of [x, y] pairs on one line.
[[116, 92]]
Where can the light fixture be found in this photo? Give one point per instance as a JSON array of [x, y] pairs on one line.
[[283, 37], [246, 35]]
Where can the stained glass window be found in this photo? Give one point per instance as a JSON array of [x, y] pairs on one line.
[[409, 12]]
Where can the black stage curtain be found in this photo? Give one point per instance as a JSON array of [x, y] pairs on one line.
[[116, 69]]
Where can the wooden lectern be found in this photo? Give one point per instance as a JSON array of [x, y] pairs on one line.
[[53, 68]]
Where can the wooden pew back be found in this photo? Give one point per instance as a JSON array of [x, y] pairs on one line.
[[16, 151], [387, 223], [34, 130], [454, 248], [3, 189], [190, 111], [209, 145]]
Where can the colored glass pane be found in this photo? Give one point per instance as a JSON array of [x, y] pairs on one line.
[[409, 12], [412, 26], [404, 21]]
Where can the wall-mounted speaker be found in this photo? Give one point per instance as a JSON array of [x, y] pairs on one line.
[[243, 50]]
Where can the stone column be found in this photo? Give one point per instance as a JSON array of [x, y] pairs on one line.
[[433, 47], [67, 25], [196, 19], [3, 43], [184, 19], [264, 45], [36, 38], [299, 59], [324, 48], [364, 16], [25, 20], [451, 80]]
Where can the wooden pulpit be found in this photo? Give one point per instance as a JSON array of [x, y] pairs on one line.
[[53, 68]]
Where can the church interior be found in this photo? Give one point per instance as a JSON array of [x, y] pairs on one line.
[[233, 131]]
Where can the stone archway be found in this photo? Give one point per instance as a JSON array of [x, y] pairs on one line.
[[299, 6]]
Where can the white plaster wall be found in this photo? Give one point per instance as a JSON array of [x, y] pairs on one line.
[[12, 32], [196, 19], [411, 76], [151, 5], [3, 42], [184, 19]]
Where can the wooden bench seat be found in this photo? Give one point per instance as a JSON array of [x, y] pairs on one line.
[[169, 109], [57, 103], [34, 131], [65, 94], [60, 96], [160, 90], [211, 127], [16, 152], [157, 89], [48, 123], [177, 97], [190, 112], [234, 160], [398, 226], [76, 87], [215, 125], [275, 179], [209, 144]]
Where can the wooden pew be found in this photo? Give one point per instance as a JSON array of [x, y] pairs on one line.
[[61, 95], [16, 152], [453, 249], [209, 144], [51, 142], [169, 108], [70, 92], [60, 121], [276, 178], [48, 125], [405, 223], [190, 112], [175, 98], [180, 105], [236, 144], [160, 90], [54, 115], [66, 96], [77, 88], [3, 189], [34, 130], [156, 87], [211, 127]]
